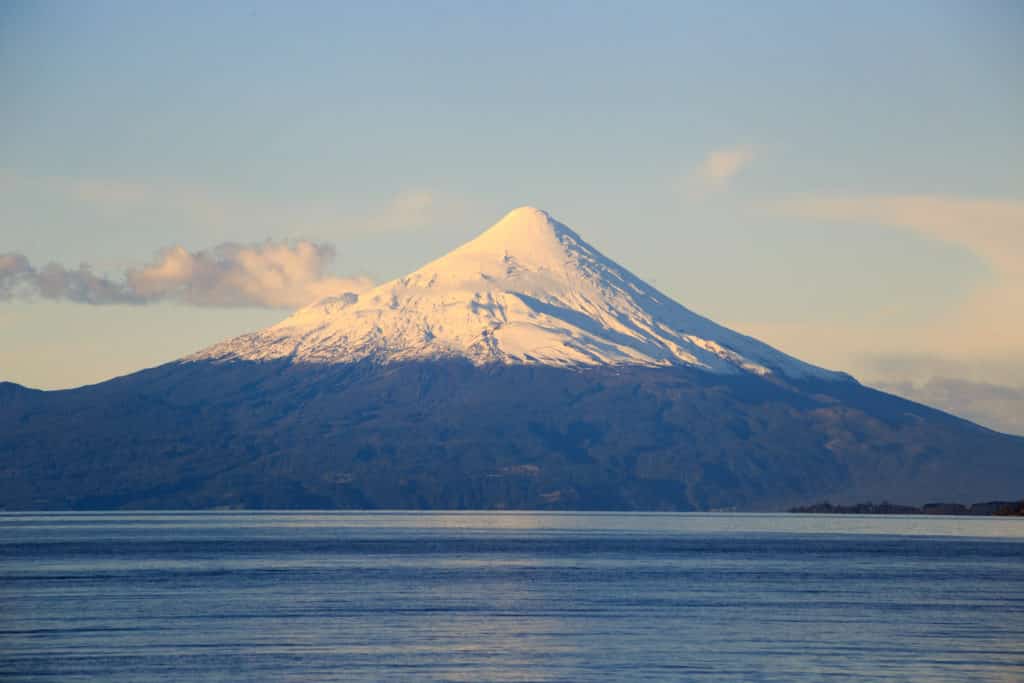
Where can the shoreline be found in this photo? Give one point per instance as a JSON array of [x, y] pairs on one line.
[[994, 508]]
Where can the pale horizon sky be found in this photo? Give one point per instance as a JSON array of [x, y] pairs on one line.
[[845, 182]]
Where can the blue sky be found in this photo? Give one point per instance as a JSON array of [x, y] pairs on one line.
[[846, 182]]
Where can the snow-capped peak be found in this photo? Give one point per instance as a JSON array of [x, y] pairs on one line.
[[528, 290], [526, 233]]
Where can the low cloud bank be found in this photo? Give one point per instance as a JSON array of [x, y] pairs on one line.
[[270, 275], [997, 407]]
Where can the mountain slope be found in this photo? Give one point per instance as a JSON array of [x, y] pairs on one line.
[[523, 370], [448, 434]]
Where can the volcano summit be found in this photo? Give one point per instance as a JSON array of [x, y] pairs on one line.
[[522, 370], [527, 291]]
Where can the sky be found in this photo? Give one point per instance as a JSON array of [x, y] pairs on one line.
[[843, 181]]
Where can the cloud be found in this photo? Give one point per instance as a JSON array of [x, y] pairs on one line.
[[906, 361], [967, 359], [992, 405], [408, 209], [18, 279], [992, 228], [223, 212], [989, 320], [917, 367], [721, 166], [14, 270], [270, 275]]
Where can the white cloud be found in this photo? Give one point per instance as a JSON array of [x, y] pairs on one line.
[[284, 274], [721, 166], [271, 275]]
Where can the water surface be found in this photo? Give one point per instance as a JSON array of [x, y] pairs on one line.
[[512, 596]]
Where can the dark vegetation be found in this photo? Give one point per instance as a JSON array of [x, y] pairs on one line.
[[1001, 508], [450, 435]]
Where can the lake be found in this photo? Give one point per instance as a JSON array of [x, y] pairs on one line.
[[509, 596]]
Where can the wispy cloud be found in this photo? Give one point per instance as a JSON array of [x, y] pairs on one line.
[[408, 209], [272, 275], [720, 166], [192, 205], [967, 359], [989, 319], [992, 228]]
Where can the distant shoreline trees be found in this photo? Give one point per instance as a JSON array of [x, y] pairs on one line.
[[1000, 508]]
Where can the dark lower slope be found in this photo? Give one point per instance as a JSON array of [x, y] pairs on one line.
[[448, 435]]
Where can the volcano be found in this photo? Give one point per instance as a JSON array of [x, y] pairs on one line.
[[527, 291], [524, 369]]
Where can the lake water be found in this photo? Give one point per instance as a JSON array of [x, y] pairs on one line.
[[241, 596]]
